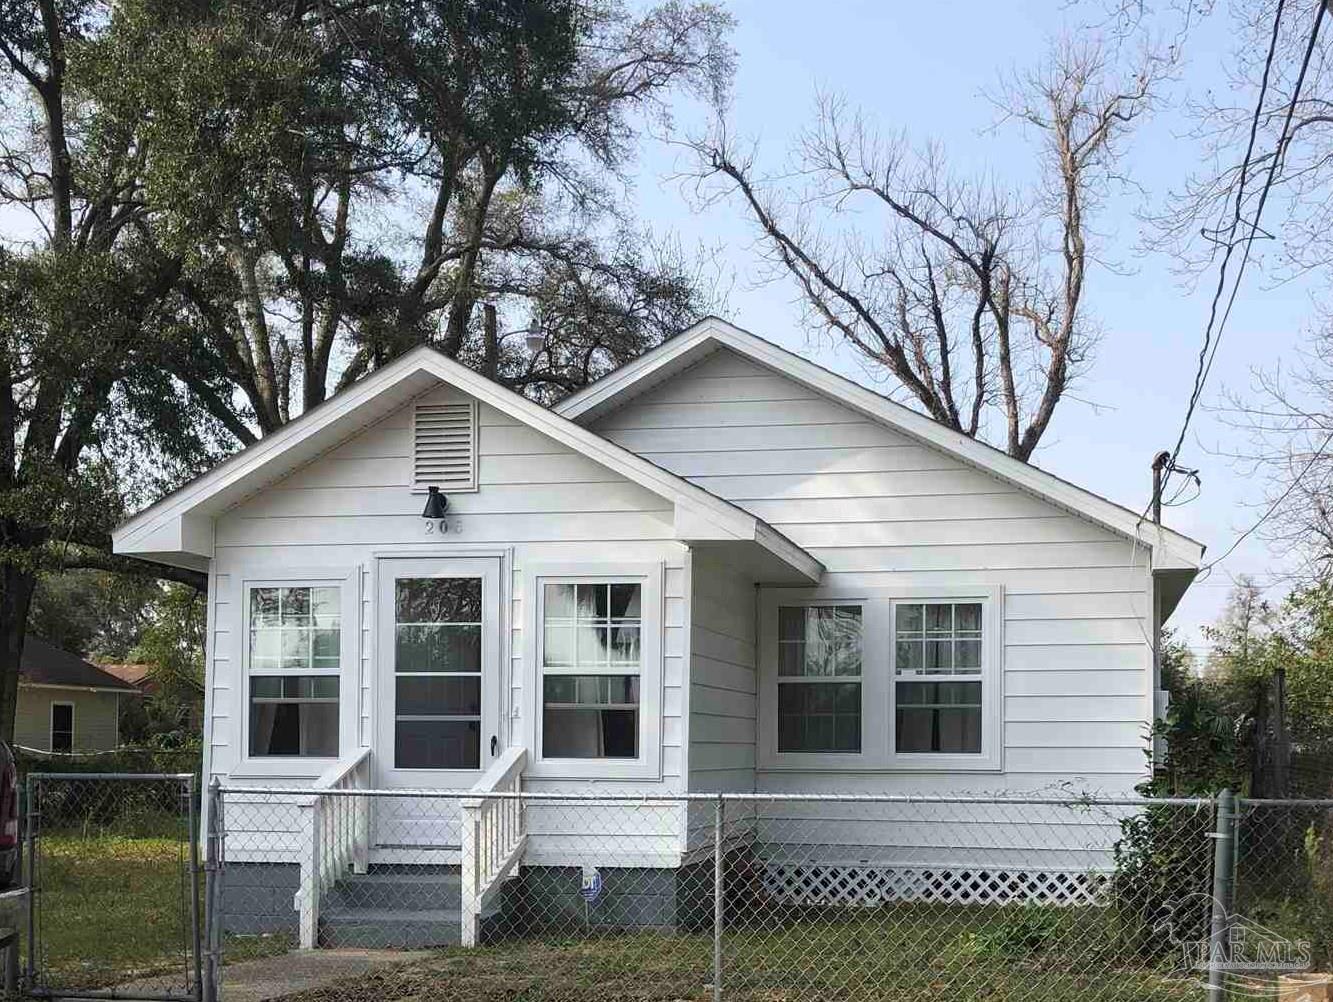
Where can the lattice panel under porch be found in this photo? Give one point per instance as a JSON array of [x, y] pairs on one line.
[[870, 886]]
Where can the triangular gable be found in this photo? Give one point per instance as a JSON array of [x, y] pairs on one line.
[[178, 529], [1171, 551]]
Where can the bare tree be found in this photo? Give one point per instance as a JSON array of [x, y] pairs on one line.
[[970, 295]]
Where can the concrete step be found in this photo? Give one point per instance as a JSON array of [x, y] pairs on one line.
[[389, 929], [397, 891]]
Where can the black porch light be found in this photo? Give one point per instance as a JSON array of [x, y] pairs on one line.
[[436, 504]]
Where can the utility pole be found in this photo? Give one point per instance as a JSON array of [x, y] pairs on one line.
[[1159, 463]]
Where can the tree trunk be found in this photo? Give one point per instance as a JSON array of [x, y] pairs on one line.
[[16, 588]]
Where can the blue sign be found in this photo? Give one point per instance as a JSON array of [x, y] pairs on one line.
[[591, 887]]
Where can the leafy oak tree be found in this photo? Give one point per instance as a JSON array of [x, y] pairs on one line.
[[218, 212]]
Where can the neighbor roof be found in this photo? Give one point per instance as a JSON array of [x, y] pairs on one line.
[[47, 664], [133, 673], [1172, 551], [178, 529]]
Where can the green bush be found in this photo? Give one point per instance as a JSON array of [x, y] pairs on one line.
[[137, 760], [1021, 933], [1163, 873], [96, 807]]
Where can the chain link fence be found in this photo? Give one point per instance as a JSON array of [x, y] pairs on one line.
[[115, 907], [787, 897]]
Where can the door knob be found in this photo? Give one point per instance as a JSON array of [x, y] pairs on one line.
[[494, 741]]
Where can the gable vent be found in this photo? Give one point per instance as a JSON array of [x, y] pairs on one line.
[[444, 446]]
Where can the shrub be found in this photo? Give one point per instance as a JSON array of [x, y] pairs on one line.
[[1163, 876], [1021, 932]]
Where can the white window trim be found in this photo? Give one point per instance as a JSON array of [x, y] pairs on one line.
[[389, 566], [878, 712], [348, 580], [648, 765], [51, 724]]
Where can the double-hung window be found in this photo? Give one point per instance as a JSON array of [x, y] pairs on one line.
[[938, 656], [591, 667], [294, 652], [886, 679], [819, 678]]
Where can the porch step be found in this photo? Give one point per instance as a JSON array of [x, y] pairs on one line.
[[389, 929], [393, 907], [397, 891]]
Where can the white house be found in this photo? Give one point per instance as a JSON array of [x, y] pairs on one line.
[[720, 568]]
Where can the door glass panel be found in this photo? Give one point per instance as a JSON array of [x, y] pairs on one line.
[[437, 664], [438, 744]]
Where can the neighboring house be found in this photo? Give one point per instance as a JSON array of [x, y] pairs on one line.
[[137, 675], [720, 568], [66, 704]]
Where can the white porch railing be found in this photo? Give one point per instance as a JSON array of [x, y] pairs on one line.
[[495, 834], [337, 838]]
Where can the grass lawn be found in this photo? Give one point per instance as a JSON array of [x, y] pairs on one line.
[[850, 960], [111, 909], [114, 909]]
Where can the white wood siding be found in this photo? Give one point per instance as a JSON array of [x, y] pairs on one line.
[[723, 680], [883, 512], [536, 499]]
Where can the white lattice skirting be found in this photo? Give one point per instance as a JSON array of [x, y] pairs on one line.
[[869, 886]]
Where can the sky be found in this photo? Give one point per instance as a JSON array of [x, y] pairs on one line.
[[925, 68]]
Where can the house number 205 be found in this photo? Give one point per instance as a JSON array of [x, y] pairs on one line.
[[441, 527]]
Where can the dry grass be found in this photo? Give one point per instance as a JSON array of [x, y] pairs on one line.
[[848, 962]]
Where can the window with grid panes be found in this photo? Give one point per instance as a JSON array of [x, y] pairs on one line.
[[938, 654], [591, 665], [295, 655], [819, 678]]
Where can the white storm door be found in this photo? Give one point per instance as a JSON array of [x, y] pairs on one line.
[[438, 688]]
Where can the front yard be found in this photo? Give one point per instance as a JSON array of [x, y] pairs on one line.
[[110, 909], [864, 958], [115, 910]]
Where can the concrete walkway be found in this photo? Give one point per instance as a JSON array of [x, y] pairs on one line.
[[273, 977]]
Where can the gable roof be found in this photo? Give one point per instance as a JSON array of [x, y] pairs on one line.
[[1171, 551], [178, 529], [46, 664]]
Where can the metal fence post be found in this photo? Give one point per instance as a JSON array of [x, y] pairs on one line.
[[719, 817], [1224, 882], [32, 820], [212, 979], [196, 940]]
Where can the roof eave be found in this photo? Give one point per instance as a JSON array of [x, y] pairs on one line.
[[179, 529]]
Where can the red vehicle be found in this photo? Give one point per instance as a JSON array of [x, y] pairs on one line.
[[9, 819]]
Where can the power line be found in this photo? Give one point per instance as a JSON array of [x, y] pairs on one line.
[[1309, 464], [1205, 355], [1279, 153]]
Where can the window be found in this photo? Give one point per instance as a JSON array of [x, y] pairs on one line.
[[938, 677], [437, 673], [819, 678], [295, 655], [591, 663], [62, 727]]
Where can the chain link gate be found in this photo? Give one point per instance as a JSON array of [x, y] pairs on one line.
[[113, 863]]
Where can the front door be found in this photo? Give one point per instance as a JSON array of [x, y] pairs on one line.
[[438, 690]]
